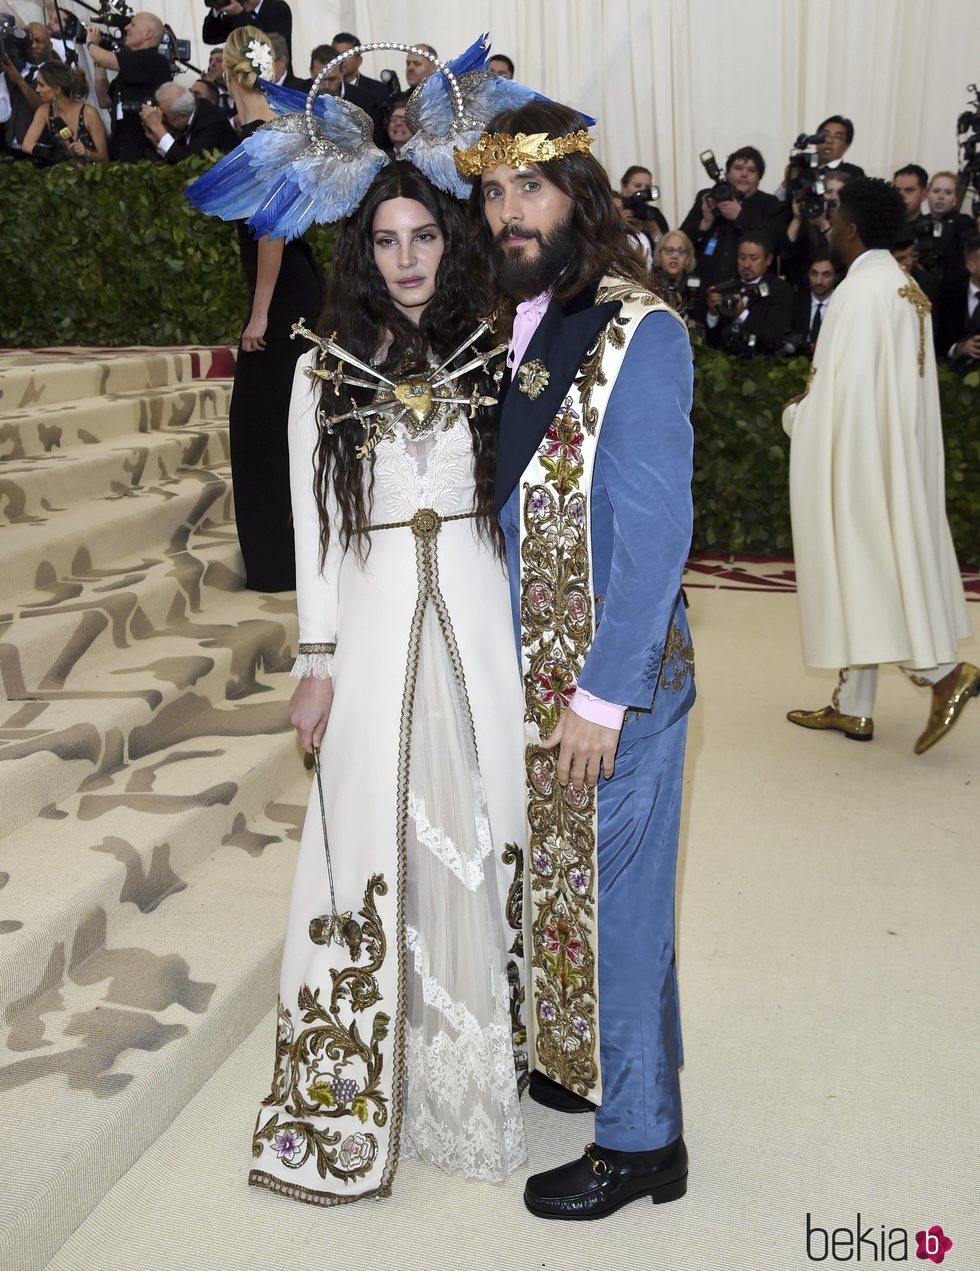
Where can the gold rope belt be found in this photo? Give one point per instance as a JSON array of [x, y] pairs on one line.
[[426, 522]]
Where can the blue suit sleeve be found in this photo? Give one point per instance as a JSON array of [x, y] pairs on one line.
[[644, 464]]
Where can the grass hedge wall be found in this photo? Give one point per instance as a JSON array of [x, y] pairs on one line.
[[113, 254]]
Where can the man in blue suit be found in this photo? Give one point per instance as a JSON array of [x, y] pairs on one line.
[[594, 498]]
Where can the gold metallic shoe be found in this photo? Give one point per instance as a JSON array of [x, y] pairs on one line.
[[857, 727], [947, 703]]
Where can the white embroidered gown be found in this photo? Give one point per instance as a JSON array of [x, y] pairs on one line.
[[413, 1046]]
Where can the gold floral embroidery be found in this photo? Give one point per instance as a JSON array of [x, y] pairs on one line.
[[512, 855], [914, 294], [678, 660], [327, 1070], [558, 626]]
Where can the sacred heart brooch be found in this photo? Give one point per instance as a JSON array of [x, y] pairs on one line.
[[533, 379]]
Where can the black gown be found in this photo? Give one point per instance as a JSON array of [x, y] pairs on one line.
[[259, 411]]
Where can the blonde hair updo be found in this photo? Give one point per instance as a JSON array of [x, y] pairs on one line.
[[238, 65]]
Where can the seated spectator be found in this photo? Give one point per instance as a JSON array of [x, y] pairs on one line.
[[640, 242], [810, 305], [759, 307], [65, 127], [21, 89], [332, 84], [397, 131], [715, 229], [840, 134], [674, 257], [267, 15], [501, 66], [957, 316], [141, 69], [644, 218], [281, 74], [182, 124]]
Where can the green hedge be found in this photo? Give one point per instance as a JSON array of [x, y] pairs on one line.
[[113, 254]]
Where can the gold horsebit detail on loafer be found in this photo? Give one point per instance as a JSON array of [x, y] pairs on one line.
[[599, 1166]]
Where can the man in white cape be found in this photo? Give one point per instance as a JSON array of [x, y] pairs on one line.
[[876, 569]]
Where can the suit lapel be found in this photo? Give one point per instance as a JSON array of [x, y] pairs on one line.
[[560, 343]]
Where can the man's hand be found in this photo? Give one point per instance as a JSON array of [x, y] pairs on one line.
[[11, 70], [707, 212], [730, 209], [969, 348], [309, 710], [233, 8], [584, 748], [151, 118], [713, 299]]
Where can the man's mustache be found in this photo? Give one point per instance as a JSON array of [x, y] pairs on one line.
[[515, 231]]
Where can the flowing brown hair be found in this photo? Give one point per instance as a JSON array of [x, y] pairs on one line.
[[602, 243], [360, 314]]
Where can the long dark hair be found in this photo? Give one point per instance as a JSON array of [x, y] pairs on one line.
[[602, 244], [360, 314]]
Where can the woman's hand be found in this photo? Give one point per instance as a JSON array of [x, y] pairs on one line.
[[253, 337], [309, 710], [78, 149]]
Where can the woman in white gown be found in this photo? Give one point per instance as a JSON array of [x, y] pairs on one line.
[[405, 1035]]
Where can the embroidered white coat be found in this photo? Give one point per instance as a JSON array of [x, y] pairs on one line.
[[876, 569]]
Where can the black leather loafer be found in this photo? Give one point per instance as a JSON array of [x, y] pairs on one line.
[[553, 1095], [602, 1181]]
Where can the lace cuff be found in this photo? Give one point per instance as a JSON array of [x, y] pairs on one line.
[[315, 660]]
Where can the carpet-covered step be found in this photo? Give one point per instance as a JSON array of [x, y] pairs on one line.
[[95, 1070], [40, 431], [128, 529], [42, 377], [36, 488], [203, 673], [92, 614], [74, 876]]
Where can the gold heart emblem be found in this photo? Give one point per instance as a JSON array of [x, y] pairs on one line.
[[417, 396]]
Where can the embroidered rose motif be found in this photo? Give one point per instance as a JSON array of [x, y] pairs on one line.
[[576, 796], [356, 1152], [541, 776], [581, 1029], [547, 1011], [543, 863], [560, 939], [576, 606], [286, 1145], [579, 880], [539, 597]]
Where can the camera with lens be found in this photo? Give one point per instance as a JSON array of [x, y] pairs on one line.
[[968, 140], [734, 289], [15, 42], [805, 183], [722, 190], [134, 107], [641, 204], [739, 342]]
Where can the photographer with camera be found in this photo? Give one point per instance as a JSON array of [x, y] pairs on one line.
[[750, 313], [268, 16], [838, 133], [940, 235], [24, 52], [182, 124], [956, 319], [140, 70], [674, 257], [722, 214], [805, 239], [639, 194], [65, 127]]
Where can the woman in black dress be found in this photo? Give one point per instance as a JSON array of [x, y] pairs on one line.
[[284, 285], [64, 119]]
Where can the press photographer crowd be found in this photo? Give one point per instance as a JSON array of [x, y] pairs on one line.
[[750, 270]]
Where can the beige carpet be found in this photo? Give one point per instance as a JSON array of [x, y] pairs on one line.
[[829, 901]]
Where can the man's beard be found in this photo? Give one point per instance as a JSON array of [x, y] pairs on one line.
[[523, 278]]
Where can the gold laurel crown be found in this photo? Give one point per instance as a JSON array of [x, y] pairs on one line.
[[519, 151]]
